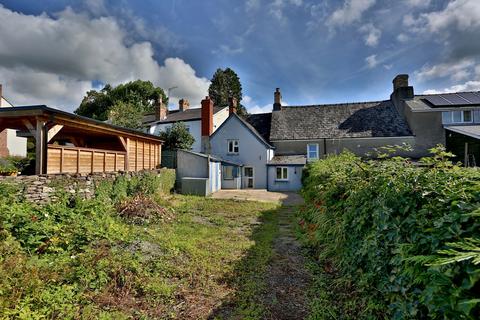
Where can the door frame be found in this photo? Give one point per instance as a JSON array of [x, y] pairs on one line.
[[247, 177]]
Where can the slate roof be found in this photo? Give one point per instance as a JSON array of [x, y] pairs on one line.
[[347, 120], [420, 103], [252, 128], [261, 123], [177, 115], [288, 160]]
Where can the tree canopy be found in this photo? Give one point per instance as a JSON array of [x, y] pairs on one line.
[[177, 137], [124, 104], [225, 84]]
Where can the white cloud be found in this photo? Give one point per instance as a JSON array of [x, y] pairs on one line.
[[457, 70], [277, 8], [402, 37], [254, 107], [61, 55], [371, 61], [462, 14], [350, 12], [371, 34], [467, 86]]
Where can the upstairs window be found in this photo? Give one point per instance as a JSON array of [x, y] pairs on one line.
[[460, 116], [312, 151], [233, 146], [282, 173]]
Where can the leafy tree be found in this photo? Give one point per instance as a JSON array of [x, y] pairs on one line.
[[135, 94], [126, 114], [226, 83], [177, 137]]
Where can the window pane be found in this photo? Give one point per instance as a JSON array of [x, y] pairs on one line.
[[312, 151], [285, 173], [279, 173], [457, 116], [446, 117], [228, 172], [467, 116]]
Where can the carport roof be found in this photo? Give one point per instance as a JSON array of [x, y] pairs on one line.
[[471, 131]]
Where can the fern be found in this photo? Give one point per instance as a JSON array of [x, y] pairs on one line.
[[468, 249]]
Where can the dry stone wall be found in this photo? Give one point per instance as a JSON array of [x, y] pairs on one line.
[[43, 188]]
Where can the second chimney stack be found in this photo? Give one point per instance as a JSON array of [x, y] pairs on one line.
[[277, 100], [183, 105]]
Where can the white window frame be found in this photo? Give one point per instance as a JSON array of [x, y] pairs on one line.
[[316, 151], [450, 114], [283, 173], [234, 144]]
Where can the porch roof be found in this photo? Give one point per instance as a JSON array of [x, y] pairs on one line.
[[467, 130]]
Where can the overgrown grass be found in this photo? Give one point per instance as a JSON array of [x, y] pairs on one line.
[[391, 239], [81, 260]]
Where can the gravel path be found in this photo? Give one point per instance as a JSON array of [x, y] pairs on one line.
[[287, 279]]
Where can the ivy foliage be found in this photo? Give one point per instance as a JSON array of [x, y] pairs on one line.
[[405, 235]]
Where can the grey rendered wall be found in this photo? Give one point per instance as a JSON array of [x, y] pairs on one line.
[[359, 146], [252, 152], [427, 128], [294, 182], [190, 165]]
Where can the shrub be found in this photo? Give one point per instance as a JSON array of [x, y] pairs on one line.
[[405, 235]]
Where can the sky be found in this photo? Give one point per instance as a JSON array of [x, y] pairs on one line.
[[316, 52]]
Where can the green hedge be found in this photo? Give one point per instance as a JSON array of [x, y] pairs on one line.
[[404, 236]]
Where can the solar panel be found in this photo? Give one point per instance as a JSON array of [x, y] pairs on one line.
[[473, 97], [456, 99], [437, 101]]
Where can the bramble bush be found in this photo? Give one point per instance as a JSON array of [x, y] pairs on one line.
[[403, 237]]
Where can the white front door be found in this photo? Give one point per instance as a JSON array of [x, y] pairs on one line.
[[248, 177]]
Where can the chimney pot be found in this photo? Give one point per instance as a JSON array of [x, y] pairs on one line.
[[183, 105], [232, 105], [277, 100]]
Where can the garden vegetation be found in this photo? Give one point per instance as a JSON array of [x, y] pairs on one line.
[[393, 239], [134, 251]]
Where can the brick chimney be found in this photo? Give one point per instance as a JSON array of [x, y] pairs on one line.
[[207, 123], [232, 105], [277, 100], [183, 105], [160, 110]]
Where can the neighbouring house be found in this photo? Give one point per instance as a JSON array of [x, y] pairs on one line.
[[452, 119], [68, 143], [192, 117], [273, 148], [10, 144]]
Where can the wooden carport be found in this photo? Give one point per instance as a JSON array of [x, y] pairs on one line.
[[67, 143]]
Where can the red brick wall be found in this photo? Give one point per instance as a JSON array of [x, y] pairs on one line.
[[3, 144]]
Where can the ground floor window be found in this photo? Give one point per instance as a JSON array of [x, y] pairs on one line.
[[282, 173], [312, 151], [229, 172]]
